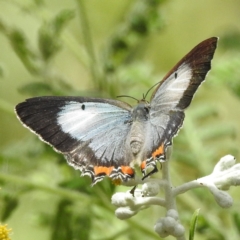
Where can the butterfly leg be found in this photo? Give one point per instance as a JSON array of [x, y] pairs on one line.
[[132, 191], [154, 170]]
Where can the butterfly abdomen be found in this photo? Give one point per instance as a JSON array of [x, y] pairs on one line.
[[139, 118]]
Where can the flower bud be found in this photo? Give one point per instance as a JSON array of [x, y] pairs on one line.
[[159, 229], [224, 163], [179, 231], [222, 198], [121, 199], [172, 213], [150, 189], [124, 213], [169, 224]]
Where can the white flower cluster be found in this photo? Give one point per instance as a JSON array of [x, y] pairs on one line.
[[169, 225], [129, 205], [225, 174]]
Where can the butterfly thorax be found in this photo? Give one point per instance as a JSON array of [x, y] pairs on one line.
[[140, 112], [139, 117]]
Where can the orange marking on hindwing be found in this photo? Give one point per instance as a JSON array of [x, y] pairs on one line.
[[127, 170], [158, 152], [100, 170]]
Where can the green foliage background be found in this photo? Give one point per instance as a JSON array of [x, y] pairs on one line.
[[106, 48]]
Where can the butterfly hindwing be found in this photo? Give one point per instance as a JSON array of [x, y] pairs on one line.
[[89, 132]]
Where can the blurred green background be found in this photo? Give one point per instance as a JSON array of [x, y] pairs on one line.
[[106, 48]]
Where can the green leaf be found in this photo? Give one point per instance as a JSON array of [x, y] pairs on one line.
[[39, 3], [20, 45], [69, 224], [48, 36], [2, 72], [144, 18], [193, 224], [47, 43], [236, 219], [231, 40], [9, 205], [62, 19]]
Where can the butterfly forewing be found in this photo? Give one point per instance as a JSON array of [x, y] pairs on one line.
[[88, 131], [179, 85], [177, 88]]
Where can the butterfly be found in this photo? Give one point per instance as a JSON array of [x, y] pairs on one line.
[[106, 137]]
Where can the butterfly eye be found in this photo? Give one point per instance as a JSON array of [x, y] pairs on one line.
[[147, 109], [83, 107]]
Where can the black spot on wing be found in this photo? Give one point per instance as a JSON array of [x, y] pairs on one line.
[[40, 116], [175, 75]]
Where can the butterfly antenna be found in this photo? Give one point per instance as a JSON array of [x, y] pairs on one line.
[[128, 97], [144, 96]]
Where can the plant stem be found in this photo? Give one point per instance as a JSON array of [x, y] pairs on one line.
[[88, 39], [185, 187], [170, 199]]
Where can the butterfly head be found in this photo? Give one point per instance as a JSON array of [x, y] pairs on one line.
[[141, 111]]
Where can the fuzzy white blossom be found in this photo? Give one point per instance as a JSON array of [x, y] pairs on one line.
[[150, 189], [222, 198], [125, 213], [225, 174], [169, 225], [128, 205]]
